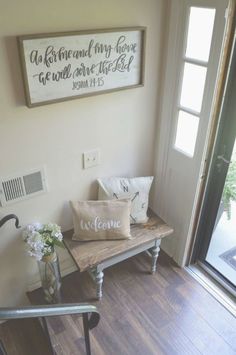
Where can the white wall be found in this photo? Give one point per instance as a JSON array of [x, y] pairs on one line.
[[121, 124]]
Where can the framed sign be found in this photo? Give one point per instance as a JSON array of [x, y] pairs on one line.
[[63, 66]]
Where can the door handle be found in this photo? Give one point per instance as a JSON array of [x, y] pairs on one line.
[[222, 158]]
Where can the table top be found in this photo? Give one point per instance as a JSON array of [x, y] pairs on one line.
[[89, 254]]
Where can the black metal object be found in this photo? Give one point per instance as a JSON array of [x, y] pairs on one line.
[[41, 312], [7, 218], [2, 349], [89, 313], [86, 333], [45, 328], [93, 320], [50, 310], [2, 222], [88, 324]]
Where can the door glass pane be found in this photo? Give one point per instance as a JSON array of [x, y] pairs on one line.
[[222, 250], [186, 135], [193, 86], [201, 22]]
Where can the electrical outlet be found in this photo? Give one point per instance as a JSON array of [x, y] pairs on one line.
[[91, 158]]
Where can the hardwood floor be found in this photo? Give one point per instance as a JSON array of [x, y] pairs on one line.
[[24, 337], [141, 314]]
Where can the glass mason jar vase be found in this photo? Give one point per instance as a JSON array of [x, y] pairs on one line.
[[50, 277]]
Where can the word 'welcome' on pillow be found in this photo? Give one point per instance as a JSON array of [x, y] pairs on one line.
[[136, 189], [101, 220]]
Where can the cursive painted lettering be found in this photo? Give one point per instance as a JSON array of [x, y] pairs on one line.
[[121, 65], [123, 47], [64, 74], [99, 224]]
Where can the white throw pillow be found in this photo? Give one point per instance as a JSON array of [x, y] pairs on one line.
[[136, 189]]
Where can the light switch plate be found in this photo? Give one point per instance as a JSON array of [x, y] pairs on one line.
[[91, 158]]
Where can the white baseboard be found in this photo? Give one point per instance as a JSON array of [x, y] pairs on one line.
[[67, 267]]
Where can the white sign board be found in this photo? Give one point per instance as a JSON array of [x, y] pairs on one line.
[[63, 66]]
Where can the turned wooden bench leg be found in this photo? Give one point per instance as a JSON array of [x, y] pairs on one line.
[[154, 253], [99, 280]]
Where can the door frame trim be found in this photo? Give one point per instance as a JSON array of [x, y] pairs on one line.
[[228, 46], [212, 285]]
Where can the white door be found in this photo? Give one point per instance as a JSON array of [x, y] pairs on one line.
[[196, 33]]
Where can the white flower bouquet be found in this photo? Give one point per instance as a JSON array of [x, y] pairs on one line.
[[42, 238]]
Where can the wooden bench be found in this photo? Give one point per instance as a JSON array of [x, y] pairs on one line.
[[95, 256]]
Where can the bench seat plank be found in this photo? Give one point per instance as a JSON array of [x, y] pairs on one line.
[[88, 255]]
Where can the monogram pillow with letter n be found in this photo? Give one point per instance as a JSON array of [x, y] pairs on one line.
[[136, 189], [101, 220]]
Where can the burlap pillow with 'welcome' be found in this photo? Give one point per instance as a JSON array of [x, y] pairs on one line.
[[101, 220]]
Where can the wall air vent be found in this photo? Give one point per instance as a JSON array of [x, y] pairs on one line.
[[22, 186]]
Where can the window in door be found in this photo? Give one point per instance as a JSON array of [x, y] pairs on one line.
[[195, 66]]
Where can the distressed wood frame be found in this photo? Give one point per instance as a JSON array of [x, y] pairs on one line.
[[22, 39]]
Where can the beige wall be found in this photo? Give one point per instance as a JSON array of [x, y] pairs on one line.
[[121, 124]]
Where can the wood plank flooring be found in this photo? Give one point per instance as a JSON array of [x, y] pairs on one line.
[[141, 314], [24, 337]]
